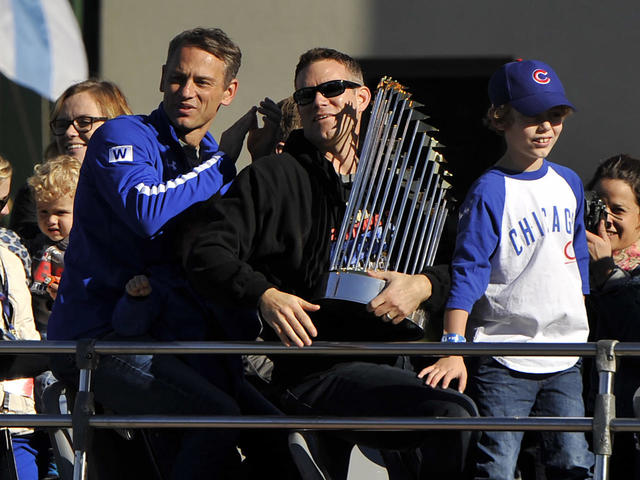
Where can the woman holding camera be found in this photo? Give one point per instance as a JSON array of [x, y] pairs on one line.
[[614, 247], [614, 303]]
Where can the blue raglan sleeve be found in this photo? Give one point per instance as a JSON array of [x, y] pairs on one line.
[[478, 236], [127, 161], [580, 247]]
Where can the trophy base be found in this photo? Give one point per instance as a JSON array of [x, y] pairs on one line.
[[344, 295]]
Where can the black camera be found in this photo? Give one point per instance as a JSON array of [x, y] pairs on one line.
[[594, 211]]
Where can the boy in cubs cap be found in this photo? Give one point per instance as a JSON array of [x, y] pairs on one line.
[[530, 86], [519, 273]]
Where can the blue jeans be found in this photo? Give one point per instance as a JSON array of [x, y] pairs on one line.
[[169, 385], [25, 454], [501, 392]]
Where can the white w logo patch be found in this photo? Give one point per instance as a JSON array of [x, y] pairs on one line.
[[121, 153]]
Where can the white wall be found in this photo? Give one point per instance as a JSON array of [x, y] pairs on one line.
[[592, 45]]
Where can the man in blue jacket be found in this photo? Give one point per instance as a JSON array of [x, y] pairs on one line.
[[138, 174]]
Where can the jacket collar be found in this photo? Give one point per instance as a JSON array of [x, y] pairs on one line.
[[208, 146], [311, 159]]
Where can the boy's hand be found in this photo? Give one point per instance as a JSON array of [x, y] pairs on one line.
[[52, 285], [138, 286], [446, 369]]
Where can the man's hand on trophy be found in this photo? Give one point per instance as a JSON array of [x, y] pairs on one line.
[[401, 296], [286, 314]]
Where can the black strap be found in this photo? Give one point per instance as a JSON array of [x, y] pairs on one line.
[[8, 470]]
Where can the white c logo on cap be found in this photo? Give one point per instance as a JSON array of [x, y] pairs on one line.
[[541, 76]]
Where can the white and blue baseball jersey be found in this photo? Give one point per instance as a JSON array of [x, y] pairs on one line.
[[521, 262]]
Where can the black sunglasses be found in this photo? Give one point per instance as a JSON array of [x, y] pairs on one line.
[[305, 96], [82, 124]]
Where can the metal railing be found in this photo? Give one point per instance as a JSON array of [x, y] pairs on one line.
[[602, 424]]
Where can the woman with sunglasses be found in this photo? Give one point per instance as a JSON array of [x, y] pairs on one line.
[[80, 110], [614, 303]]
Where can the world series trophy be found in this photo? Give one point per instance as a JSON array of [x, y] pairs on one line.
[[394, 215]]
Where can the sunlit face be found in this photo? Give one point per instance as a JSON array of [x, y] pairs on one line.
[[55, 217], [533, 138], [72, 142], [5, 188], [193, 83], [329, 122], [623, 212]]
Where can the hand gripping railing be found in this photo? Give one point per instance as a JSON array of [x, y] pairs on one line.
[[83, 420]]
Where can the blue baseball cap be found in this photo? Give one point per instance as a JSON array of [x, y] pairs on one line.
[[530, 86]]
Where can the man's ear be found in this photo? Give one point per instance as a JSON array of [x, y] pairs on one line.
[[364, 97], [164, 69], [230, 92]]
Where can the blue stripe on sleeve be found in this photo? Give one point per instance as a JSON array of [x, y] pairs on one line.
[[478, 236]]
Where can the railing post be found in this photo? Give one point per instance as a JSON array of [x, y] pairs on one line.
[[84, 408], [605, 407]]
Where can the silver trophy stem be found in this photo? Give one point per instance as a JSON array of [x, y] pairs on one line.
[[362, 182], [394, 184], [435, 229], [360, 203], [427, 227], [375, 215], [367, 145], [396, 193], [422, 223], [433, 247], [412, 208]]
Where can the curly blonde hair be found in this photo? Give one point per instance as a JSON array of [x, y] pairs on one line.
[[55, 178]]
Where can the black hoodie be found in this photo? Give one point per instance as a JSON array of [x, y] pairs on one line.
[[273, 229]]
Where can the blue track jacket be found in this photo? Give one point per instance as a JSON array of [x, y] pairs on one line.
[[135, 178]]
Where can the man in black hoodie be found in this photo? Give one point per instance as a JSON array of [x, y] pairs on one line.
[[266, 245]]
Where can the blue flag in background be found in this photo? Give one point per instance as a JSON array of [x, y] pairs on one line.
[[41, 45]]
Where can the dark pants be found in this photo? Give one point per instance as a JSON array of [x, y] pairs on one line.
[[357, 389], [167, 385]]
